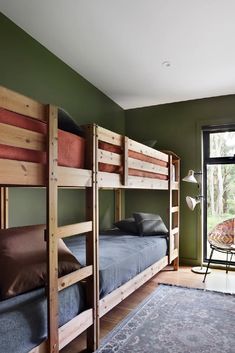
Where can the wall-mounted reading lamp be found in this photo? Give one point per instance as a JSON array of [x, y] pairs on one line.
[[192, 203], [190, 178]]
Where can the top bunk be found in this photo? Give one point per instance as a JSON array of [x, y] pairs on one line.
[[33, 149], [125, 163], [31, 144]]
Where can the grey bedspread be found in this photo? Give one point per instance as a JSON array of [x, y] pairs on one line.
[[122, 256], [23, 318]]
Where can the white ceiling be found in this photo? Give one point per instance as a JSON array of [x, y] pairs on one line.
[[120, 45]]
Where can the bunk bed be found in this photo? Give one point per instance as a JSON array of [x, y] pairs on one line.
[[45, 171], [111, 161], [123, 163]]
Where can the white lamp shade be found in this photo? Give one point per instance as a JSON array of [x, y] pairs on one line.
[[190, 178], [191, 202]]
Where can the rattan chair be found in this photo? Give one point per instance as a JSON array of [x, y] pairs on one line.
[[222, 239]]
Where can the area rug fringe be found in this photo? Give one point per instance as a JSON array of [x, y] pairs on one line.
[[200, 289]]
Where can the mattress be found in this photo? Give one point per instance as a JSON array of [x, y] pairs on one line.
[[71, 148], [23, 318], [122, 256]]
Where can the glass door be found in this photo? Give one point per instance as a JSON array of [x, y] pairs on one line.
[[219, 181]]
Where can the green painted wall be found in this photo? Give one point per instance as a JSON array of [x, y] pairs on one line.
[[177, 127], [29, 68]]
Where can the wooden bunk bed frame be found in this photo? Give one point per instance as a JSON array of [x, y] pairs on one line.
[[52, 176], [106, 180]]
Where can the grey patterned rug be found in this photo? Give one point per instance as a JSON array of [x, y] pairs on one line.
[[177, 320]]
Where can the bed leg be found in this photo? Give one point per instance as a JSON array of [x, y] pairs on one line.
[[92, 341], [176, 264]]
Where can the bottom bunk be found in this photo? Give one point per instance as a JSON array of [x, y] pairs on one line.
[[126, 262], [23, 319]]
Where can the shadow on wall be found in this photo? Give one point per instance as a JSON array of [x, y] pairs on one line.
[[147, 201], [27, 206]]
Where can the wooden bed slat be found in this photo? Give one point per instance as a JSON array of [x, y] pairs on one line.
[[146, 166], [115, 159], [33, 174], [109, 180], [74, 229], [18, 137], [74, 177], [4, 207], [125, 177], [92, 238], [42, 348], [147, 183], [175, 185], [74, 277], [75, 327], [112, 180], [115, 297], [18, 103], [176, 215], [21, 173], [175, 253], [140, 148], [109, 157], [175, 230], [69, 331], [175, 209], [109, 136], [52, 241], [118, 205]]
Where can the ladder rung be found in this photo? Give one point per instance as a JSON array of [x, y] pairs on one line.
[[174, 209], [74, 277], [175, 231], [74, 229], [175, 185]]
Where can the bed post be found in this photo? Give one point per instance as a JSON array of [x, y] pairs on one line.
[[4, 207], [125, 160], [170, 250], [118, 205], [92, 239], [52, 242], [174, 211]]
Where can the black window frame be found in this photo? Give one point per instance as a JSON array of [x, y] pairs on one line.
[[207, 160]]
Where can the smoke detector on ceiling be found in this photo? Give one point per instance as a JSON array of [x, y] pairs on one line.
[[166, 64]]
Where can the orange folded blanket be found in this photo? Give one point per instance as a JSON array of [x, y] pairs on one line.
[[71, 148]]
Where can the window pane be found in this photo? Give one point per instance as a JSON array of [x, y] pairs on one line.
[[220, 198], [222, 144]]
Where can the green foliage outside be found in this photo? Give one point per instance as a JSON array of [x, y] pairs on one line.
[[220, 180]]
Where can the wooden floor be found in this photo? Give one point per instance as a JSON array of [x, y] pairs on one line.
[[218, 280]]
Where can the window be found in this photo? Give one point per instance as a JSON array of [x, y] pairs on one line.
[[218, 181]]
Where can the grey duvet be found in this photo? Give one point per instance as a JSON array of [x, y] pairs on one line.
[[122, 256]]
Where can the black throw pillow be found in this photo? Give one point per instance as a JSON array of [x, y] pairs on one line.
[[150, 224], [127, 225], [66, 123]]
